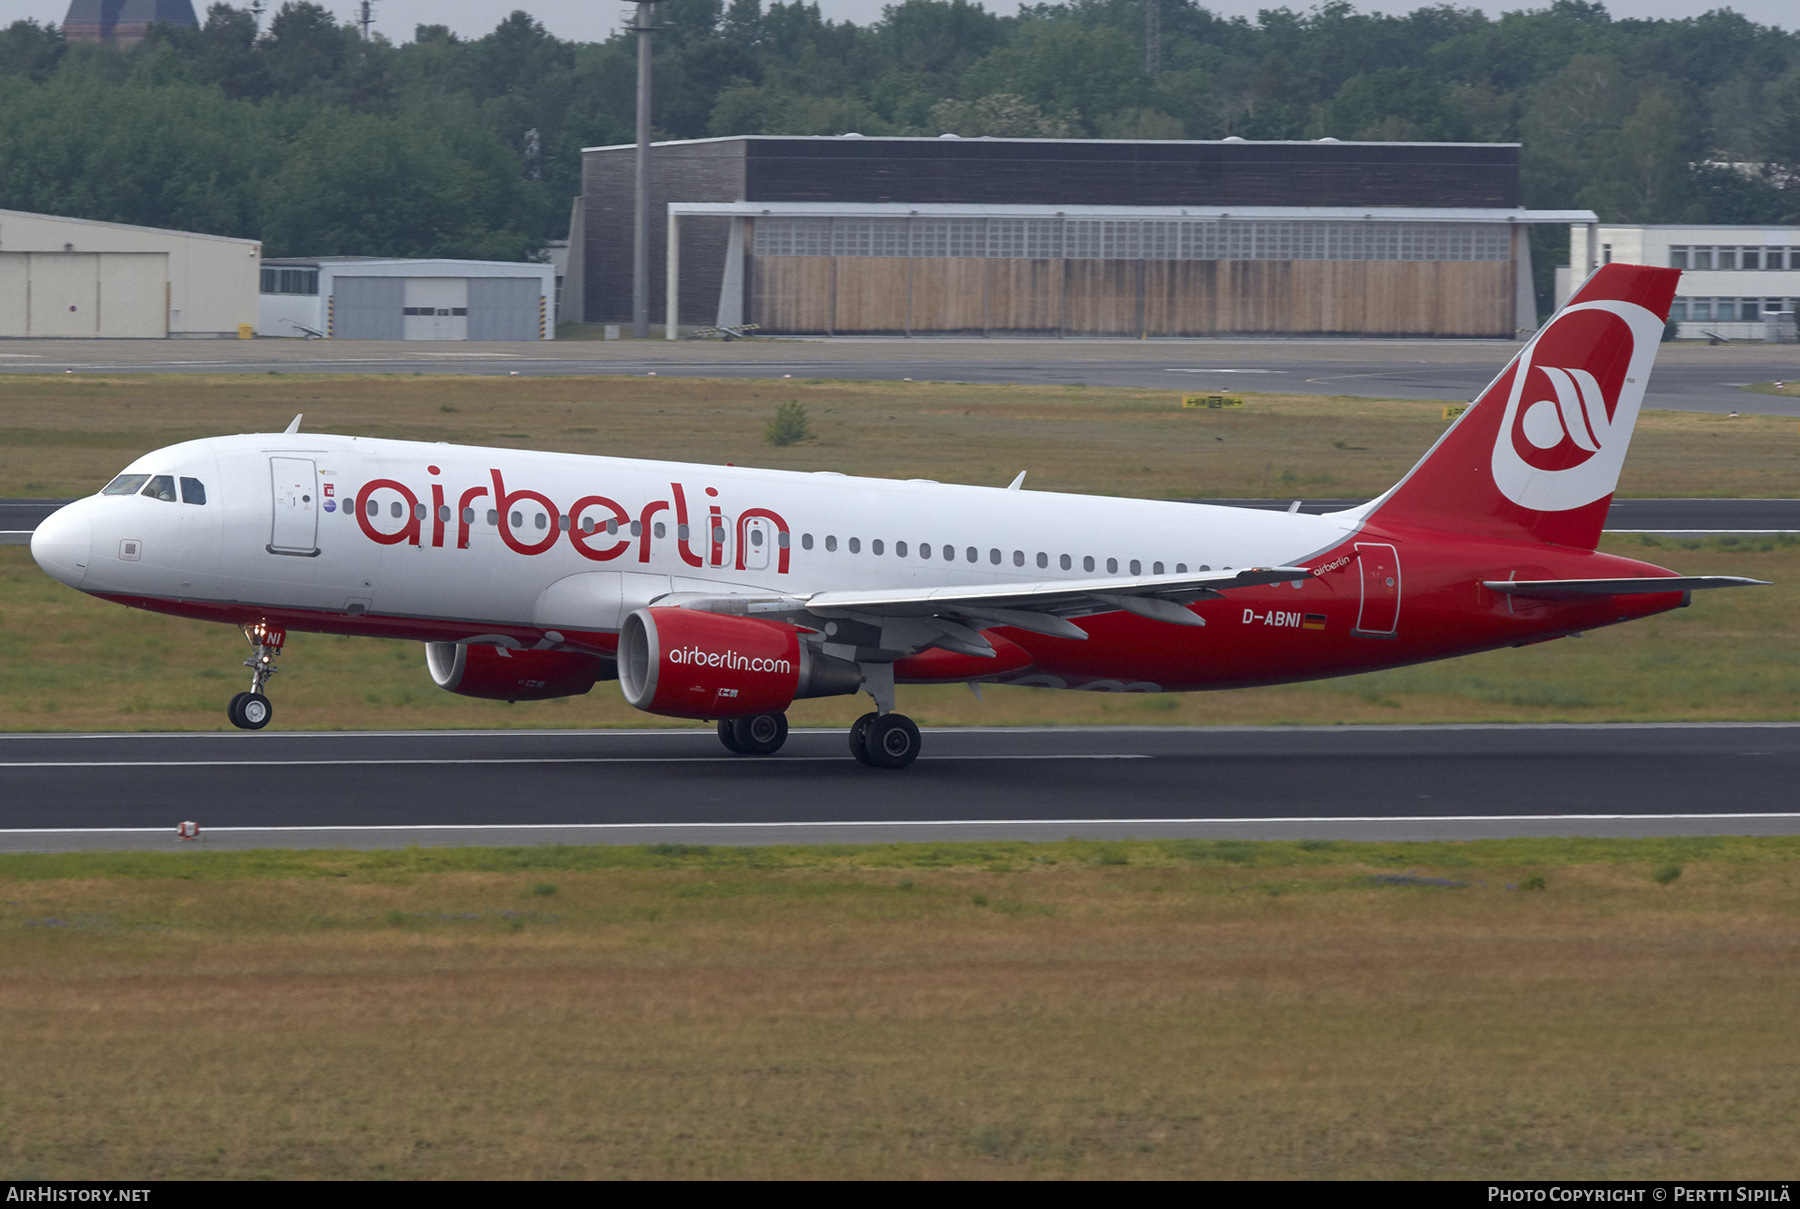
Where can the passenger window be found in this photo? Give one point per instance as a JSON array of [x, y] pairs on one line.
[[856, 545], [1043, 559], [1018, 558], [468, 518], [562, 522], [443, 513], [398, 509], [162, 487], [1204, 567], [875, 546], [924, 549], [949, 554], [1087, 563], [660, 530], [418, 512], [493, 517], [1063, 562], [1181, 568], [637, 529], [755, 534], [1112, 566], [516, 520], [1137, 568], [830, 542], [974, 554], [1156, 568], [125, 484], [899, 550], [994, 557], [806, 541], [193, 491]]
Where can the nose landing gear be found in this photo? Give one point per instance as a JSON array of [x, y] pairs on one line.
[[251, 710]]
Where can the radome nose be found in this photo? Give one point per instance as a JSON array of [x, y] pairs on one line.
[[61, 544]]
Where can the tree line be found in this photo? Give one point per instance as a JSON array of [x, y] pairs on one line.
[[319, 142]]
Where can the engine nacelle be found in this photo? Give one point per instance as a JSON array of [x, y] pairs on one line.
[[683, 663], [506, 675]]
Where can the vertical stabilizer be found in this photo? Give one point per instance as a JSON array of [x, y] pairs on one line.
[[1538, 455]]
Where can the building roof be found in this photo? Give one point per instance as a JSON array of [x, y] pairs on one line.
[[756, 209], [120, 226], [988, 140]]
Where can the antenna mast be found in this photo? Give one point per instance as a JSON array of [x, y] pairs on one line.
[[366, 17]]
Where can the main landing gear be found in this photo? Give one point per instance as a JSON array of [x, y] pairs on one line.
[[757, 735], [884, 740], [251, 710], [880, 739]]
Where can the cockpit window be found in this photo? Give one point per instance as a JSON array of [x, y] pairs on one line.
[[162, 487], [193, 491], [125, 484]]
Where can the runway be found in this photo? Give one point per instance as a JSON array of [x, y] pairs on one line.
[[367, 790], [18, 517], [1688, 377]]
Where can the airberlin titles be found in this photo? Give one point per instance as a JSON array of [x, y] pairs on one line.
[[610, 532]]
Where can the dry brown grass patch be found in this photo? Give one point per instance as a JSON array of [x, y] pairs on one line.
[[874, 1017]]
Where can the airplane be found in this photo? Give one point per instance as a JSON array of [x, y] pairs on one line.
[[725, 593]]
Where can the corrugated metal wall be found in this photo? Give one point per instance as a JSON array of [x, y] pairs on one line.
[[504, 308], [368, 308], [966, 295]]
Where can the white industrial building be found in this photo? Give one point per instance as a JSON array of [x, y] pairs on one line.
[[1739, 283], [357, 298], [73, 277]]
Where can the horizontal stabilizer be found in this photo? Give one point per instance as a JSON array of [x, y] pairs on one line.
[[1584, 589]]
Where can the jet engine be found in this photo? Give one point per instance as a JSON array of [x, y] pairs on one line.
[[684, 663], [500, 674]]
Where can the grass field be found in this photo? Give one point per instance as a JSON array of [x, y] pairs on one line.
[[70, 662], [67, 435], [1173, 1009]]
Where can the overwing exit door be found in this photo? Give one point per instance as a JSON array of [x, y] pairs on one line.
[[295, 527], [758, 536], [1380, 612]]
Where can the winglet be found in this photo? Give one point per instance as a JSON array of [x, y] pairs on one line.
[[293, 428], [1017, 483]]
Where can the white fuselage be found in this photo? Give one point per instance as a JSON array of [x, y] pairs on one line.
[[287, 524]]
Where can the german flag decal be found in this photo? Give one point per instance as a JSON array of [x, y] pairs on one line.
[[1313, 621]]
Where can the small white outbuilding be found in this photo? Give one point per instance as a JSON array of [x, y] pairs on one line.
[[356, 298], [74, 277]]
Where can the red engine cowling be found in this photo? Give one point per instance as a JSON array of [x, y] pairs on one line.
[[504, 675], [684, 663]]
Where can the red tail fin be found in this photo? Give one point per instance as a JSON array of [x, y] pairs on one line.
[[1539, 453]]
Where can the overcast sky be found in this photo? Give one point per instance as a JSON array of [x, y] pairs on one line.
[[591, 20]]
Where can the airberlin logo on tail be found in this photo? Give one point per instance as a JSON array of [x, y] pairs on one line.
[[1576, 390]]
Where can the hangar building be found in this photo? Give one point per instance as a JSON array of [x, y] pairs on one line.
[[74, 277], [360, 298], [937, 236]]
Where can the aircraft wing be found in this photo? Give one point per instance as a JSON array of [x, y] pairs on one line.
[[1584, 589], [952, 617]]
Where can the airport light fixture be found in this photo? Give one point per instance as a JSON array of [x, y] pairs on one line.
[[640, 218]]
